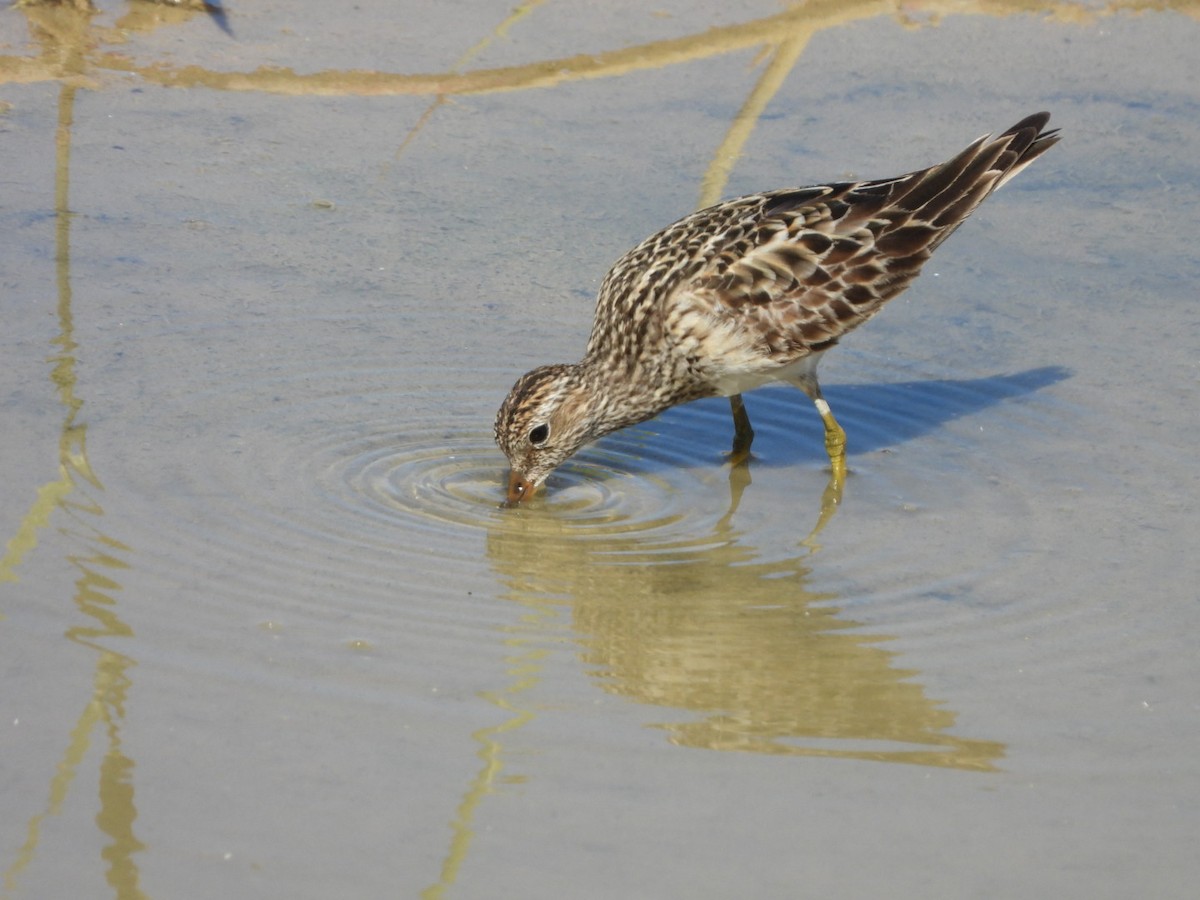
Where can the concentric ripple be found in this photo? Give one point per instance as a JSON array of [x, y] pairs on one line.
[[458, 481], [305, 479]]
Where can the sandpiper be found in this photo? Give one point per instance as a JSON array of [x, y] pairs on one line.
[[746, 292]]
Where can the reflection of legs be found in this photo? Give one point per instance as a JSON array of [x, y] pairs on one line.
[[743, 434], [831, 499], [835, 446], [739, 480]]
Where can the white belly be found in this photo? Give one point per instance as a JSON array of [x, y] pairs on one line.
[[739, 381]]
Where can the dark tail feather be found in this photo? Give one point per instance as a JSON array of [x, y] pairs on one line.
[[945, 195], [1029, 142]]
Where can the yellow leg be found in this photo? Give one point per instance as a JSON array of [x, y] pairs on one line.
[[835, 443], [835, 446], [835, 437], [743, 434]]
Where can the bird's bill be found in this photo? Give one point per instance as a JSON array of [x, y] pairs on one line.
[[519, 488]]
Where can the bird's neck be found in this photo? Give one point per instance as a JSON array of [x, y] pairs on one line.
[[625, 392]]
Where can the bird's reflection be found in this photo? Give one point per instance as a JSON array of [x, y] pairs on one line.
[[735, 648]]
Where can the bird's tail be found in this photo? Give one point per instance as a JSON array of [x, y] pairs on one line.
[[943, 196]]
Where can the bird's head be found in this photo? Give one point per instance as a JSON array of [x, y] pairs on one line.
[[546, 417]]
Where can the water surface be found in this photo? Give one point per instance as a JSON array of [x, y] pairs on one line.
[[264, 629]]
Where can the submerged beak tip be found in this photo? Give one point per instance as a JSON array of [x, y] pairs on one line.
[[519, 488]]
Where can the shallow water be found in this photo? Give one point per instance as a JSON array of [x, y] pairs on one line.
[[264, 629]]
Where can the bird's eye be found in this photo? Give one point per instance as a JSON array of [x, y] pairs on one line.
[[539, 434]]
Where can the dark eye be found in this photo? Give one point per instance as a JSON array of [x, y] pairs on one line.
[[538, 436]]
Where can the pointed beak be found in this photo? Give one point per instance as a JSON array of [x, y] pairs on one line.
[[519, 488]]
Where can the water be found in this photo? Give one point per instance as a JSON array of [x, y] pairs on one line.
[[265, 629]]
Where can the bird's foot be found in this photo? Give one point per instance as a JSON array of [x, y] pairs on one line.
[[835, 441], [739, 454]]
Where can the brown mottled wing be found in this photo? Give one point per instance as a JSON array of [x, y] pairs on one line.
[[817, 262]]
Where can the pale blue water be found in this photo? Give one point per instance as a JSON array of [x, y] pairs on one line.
[[264, 630]]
